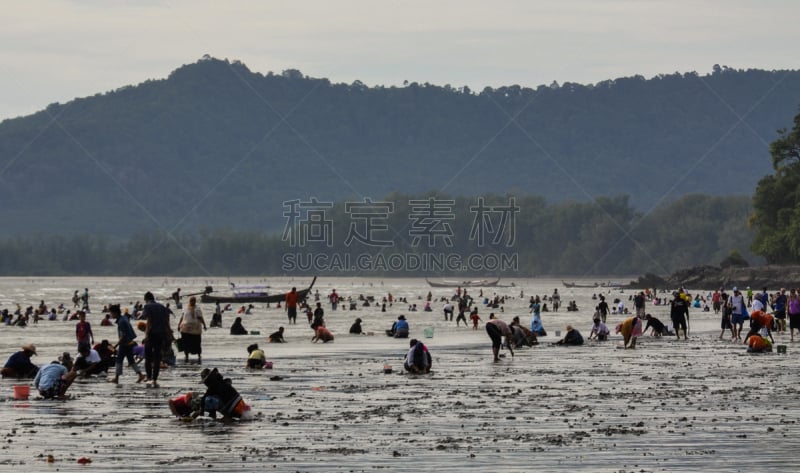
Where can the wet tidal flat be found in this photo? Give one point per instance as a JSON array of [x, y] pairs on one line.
[[701, 405]]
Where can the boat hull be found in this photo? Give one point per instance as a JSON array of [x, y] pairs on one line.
[[255, 298], [485, 283]]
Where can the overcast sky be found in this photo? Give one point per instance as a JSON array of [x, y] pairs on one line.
[[53, 51]]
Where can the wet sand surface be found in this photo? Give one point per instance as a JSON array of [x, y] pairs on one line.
[[701, 405]]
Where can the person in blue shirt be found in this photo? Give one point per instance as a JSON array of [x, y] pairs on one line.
[[125, 344], [19, 364], [53, 380], [399, 328]]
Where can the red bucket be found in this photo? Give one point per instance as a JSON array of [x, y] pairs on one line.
[[22, 392]]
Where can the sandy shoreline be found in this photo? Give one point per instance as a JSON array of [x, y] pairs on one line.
[[704, 405]]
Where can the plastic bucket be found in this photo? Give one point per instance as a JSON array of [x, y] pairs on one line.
[[428, 332], [22, 392], [267, 365], [781, 349], [558, 333], [387, 369]]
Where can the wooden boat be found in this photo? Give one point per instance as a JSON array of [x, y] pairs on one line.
[[252, 294], [612, 284], [574, 284], [479, 283]]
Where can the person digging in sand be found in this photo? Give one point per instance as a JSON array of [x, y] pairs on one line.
[[497, 329], [572, 338], [418, 359]]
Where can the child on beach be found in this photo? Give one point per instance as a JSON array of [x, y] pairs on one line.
[[256, 358], [475, 319]]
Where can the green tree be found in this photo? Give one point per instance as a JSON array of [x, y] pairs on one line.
[[776, 203]]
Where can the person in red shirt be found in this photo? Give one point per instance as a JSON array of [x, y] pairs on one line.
[[291, 305], [83, 330]]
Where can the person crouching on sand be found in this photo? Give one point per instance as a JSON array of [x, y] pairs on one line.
[[53, 380], [572, 338], [277, 337], [256, 357], [497, 329], [322, 333], [631, 329], [418, 359], [758, 344], [599, 330], [221, 396]]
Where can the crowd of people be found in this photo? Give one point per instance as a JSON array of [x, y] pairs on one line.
[[152, 345]]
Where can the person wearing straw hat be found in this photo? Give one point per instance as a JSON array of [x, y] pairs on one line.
[[19, 364]]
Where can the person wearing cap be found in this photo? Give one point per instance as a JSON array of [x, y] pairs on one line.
[[19, 364], [157, 334], [53, 380], [418, 359], [736, 304], [497, 329], [399, 328], [679, 313], [125, 344]]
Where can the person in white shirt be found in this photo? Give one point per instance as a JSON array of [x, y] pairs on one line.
[[88, 361]]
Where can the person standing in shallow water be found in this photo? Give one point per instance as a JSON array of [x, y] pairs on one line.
[[191, 326], [602, 308], [291, 305], [157, 334], [556, 300], [125, 344], [679, 312], [83, 330]]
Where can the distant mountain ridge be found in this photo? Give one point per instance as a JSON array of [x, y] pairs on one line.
[[217, 145]]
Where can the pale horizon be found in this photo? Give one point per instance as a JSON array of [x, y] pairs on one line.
[[78, 49]]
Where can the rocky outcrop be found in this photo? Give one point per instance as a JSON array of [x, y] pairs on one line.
[[714, 277]]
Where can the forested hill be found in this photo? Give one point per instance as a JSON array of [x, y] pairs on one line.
[[216, 144]]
